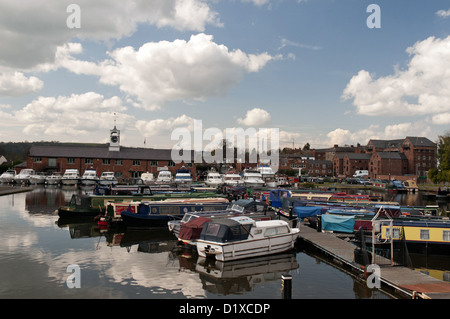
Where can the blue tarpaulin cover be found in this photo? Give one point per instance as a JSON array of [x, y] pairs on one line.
[[307, 211], [342, 224]]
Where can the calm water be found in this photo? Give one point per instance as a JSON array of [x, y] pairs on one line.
[[36, 250]]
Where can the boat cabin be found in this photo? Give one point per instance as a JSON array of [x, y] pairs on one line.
[[227, 229]]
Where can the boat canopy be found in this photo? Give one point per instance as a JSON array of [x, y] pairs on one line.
[[337, 223], [193, 228], [308, 211], [227, 229], [277, 195]]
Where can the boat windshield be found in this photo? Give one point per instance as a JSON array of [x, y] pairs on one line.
[[225, 231]]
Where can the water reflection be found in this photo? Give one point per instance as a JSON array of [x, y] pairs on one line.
[[121, 263]]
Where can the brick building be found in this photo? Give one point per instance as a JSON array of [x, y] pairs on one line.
[[398, 157], [125, 162], [353, 162], [388, 164]]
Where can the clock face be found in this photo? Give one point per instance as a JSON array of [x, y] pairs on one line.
[[114, 139]]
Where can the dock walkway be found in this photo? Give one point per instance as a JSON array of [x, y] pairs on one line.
[[410, 282], [8, 190]]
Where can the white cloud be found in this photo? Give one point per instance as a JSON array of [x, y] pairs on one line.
[[31, 30], [443, 13], [164, 127], [16, 83], [168, 71], [255, 117], [86, 115], [441, 119], [394, 131], [422, 88], [258, 3]]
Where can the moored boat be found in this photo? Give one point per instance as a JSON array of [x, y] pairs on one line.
[[147, 178], [231, 178], [164, 177], [107, 178], [183, 177], [89, 177], [242, 237], [37, 179], [213, 179], [70, 177], [53, 179], [152, 214], [91, 205], [253, 178], [24, 176], [8, 176]]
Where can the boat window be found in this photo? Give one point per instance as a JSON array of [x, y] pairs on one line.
[[446, 235], [169, 210], [424, 234], [272, 231], [212, 229]]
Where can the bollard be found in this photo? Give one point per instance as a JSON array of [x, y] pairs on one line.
[[286, 281]]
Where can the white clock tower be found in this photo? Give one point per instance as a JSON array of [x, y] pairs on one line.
[[114, 140]]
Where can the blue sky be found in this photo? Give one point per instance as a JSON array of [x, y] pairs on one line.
[[312, 69]]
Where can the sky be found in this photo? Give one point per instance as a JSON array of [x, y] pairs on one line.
[[322, 72]]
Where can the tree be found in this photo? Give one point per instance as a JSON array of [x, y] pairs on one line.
[[442, 173], [306, 147]]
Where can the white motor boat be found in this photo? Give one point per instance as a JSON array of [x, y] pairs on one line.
[[24, 176], [253, 178], [8, 176], [71, 177], [107, 178], [213, 179], [164, 177], [54, 178], [242, 237], [147, 178], [268, 176], [183, 177], [37, 179], [89, 177], [232, 179]]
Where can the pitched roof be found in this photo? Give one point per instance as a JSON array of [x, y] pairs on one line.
[[386, 143], [358, 156], [420, 141], [99, 151], [391, 155]]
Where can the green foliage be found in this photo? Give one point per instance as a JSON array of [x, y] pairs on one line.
[[442, 173]]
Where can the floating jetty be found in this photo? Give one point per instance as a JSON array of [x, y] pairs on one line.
[[405, 281]]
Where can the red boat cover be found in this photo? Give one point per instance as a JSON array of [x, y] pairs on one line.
[[193, 228]]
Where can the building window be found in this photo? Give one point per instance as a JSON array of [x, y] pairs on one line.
[[88, 161], [153, 163], [70, 160], [425, 234], [446, 235], [171, 163], [119, 162], [136, 162], [135, 174], [52, 162], [37, 159], [106, 161]]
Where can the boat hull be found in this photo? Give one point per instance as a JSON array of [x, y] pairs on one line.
[[247, 249]]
